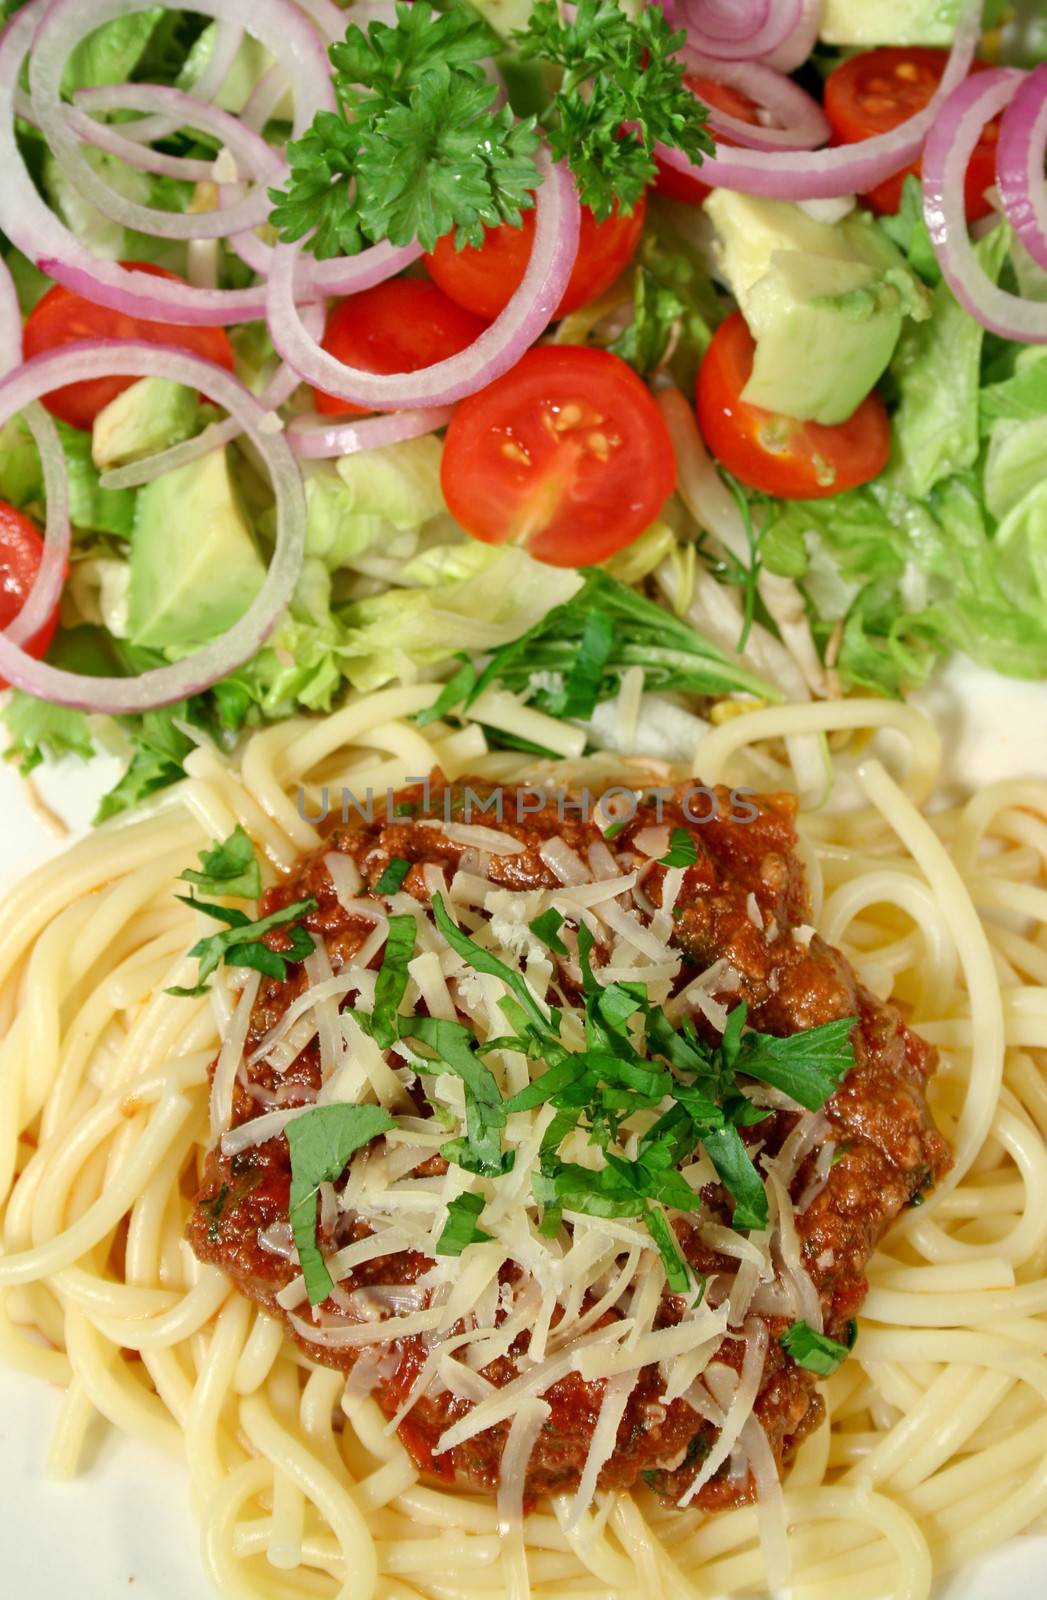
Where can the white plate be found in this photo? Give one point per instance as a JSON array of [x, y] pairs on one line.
[[124, 1527]]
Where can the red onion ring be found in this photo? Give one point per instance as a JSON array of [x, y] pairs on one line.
[[264, 99], [315, 438], [802, 124], [38, 233], [945, 158], [739, 30], [77, 362], [1020, 162], [10, 321], [44, 595], [793, 51], [53, 116], [47, 585], [497, 349], [228, 40], [847, 169]]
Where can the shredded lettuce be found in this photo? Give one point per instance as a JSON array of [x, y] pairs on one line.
[[504, 593], [937, 369]]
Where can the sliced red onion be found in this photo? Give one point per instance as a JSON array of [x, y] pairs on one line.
[[103, 136], [794, 50], [848, 169], [801, 122], [10, 321], [39, 234], [739, 30], [340, 276], [316, 438], [228, 40], [1020, 164], [47, 585], [45, 79], [44, 595], [945, 159], [264, 98], [76, 363], [497, 349]]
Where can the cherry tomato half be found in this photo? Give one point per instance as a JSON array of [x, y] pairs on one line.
[[677, 185], [775, 454], [63, 317], [21, 551], [398, 326], [872, 93], [485, 279], [566, 454]]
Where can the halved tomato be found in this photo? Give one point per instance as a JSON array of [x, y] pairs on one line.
[[21, 551], [63, 317], [566, 454]]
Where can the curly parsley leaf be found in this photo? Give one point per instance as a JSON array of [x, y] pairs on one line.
[[816, 1351], [619, 72], [229, 868], [321, 1142], [460, 1229], [420, 147], [240, 945]]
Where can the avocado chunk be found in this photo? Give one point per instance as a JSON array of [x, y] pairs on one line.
[[194, 565], [824, 301], [900, 22], [149, 416]]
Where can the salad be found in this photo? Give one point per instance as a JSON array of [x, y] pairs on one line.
[[561, 354]]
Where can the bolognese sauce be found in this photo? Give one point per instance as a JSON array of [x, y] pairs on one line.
[[741, 910]]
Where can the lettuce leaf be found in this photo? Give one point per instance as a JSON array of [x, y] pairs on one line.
[[501, 595], [937, 371]]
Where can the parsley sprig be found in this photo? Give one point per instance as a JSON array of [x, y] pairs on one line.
[[622, 93], [419, 146]]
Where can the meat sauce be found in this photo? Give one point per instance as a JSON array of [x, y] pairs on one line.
[[888, 1150]]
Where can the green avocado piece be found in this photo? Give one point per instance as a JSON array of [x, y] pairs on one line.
[[149, 416], [194, 565], [897, 22], [825, 302]]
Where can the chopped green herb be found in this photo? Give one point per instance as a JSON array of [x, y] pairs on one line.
[[460, 1229], [677, 1272], [457, 689], [547, 929], [683, 852], [241, 943], [392, 879], [483, 961], [321, 1142], [703, 1284], [456, 1051], [807, 1066], [213, 1209], [816, 1351], [614, 829], [229, 868], [581, 690], [391, 984]]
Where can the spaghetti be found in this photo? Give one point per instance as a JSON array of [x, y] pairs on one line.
[[935, 1438]]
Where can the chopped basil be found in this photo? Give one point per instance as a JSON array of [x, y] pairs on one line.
[[457, 689], [391, 983], [483, 961], [461, 1229], [816, 1351], [229, 868], [683, 852], [241, 943], [547, 928], [321, 1142], [392, 879]]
